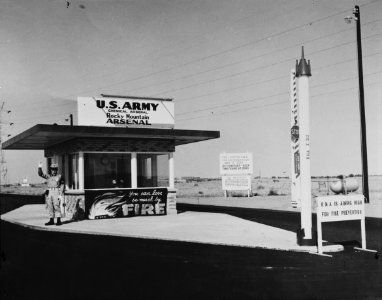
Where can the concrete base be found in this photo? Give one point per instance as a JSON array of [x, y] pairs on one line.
[[313, 242], [332, 248], [302, 241], [194, 227]]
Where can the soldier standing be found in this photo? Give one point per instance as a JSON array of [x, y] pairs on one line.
[[54, 193]]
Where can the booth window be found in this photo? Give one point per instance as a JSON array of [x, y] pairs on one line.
[[153, 170], [107, 170], [73, 171]]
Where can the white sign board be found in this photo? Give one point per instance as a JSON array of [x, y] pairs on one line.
[[125, 112], [236, 164], [236, 182], [340, 208]]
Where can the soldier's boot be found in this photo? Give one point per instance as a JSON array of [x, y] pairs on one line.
[[58, 222], [51, 222]]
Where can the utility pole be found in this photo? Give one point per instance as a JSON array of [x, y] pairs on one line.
[[365, 172], [3, 163]]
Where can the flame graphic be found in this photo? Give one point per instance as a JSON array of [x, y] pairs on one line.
[[106, 205]]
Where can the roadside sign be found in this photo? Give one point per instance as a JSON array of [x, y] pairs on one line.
[[295, 133], [340, 208], [236, 164], [236, 170], [236, 182]]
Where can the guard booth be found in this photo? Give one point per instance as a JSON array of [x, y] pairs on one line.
[[118, 160]]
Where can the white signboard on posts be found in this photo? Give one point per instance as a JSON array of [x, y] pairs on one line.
[[236, 164], [125, 112], [236, 182], [340, 208]]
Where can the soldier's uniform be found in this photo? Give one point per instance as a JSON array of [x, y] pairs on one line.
[[54, 194]]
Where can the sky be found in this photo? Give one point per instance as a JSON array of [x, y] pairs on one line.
[[226, 64]]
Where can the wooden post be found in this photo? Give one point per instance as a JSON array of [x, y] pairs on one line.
[[134, 171], [81, 171], [66, 171], [319, 234], [363, 233], [171, 170]]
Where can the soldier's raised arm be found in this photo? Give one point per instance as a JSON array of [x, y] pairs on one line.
[[40, 172]]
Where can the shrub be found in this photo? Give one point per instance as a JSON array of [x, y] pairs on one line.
[[272, 192]]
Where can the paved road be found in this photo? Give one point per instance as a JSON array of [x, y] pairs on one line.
[[47, 265]]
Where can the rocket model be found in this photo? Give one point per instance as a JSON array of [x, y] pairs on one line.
[[295, 143], [304, 235]]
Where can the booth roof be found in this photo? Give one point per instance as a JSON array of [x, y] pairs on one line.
[[42, 136]]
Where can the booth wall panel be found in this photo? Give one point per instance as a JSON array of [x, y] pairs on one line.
[[75, 205], [111, 145]]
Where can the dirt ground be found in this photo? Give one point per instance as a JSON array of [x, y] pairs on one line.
[[213, 188], [271, 187]]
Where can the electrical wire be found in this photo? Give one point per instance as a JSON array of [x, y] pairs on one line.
[[248, 59], [253, 84], [63, 115], [73, 102], [272, 96], [272, 79], [273, 104], [223, 51], [257, 68]]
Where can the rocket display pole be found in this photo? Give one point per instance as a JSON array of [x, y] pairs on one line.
[[295, 143], [303, 72]]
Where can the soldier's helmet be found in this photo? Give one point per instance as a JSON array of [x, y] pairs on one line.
[[54, 166]]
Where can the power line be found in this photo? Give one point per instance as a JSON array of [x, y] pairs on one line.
[[259, 56], [235, 103], [252, 84], [249, 59], [273, 104], [257, 68], [272, 96], [224, 51], [265, 105], [34, 103], [45, 116], [195, 43], [270, 80], [231, 49]]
